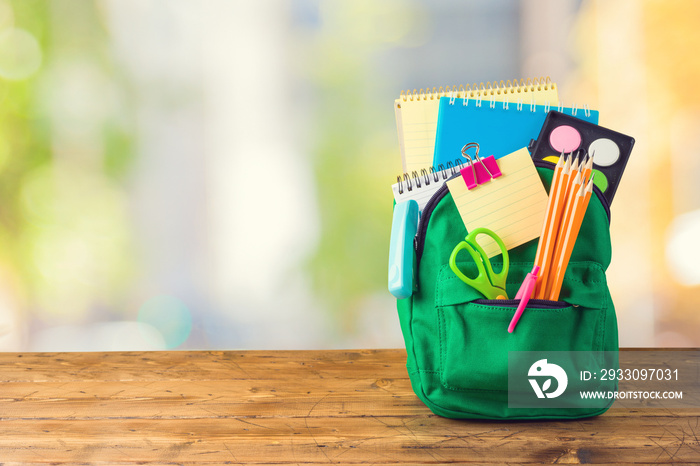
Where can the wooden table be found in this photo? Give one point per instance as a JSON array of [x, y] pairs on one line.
[[220, 407]]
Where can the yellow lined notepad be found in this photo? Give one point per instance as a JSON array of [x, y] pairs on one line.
[[512, 205], [417, 112]]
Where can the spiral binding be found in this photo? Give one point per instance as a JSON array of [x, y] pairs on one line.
[[430, 175], [533, 107], [519, 105], [481, 90]]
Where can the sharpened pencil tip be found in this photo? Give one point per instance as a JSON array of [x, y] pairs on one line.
[[577, 178], [589, 186], [575, 164], [560, 163]]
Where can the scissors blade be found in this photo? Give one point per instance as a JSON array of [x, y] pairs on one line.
[[501, 292]]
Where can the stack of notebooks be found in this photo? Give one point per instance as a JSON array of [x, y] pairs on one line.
[[515, 122]]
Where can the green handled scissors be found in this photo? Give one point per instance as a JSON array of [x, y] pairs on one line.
[[492, 285]]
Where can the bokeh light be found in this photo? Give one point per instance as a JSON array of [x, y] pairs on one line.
[[7, 15], [108, 336], [683, 249], [170, 316], [238, 155], [20, 55]]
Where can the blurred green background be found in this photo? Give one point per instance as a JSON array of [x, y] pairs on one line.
[[178, 174]]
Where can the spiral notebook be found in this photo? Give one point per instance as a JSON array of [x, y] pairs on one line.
[[420, 186], [417, 112], [499, 127]]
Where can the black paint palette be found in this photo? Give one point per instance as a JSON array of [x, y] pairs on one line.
[[564, 133]]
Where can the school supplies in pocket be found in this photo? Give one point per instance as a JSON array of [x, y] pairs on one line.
[[457, 342], [524, 296], [569, 195], [492, 231]]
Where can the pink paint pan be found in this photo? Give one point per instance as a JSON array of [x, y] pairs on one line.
[[564, 133]]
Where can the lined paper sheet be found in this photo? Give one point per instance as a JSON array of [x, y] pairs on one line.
[[417, 124], [513, 205], [416, 121]]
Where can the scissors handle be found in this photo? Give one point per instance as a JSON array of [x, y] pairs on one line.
[[497, 279], [479, 282], [492, 285]]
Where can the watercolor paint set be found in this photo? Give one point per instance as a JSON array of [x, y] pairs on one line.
[[567, 134]]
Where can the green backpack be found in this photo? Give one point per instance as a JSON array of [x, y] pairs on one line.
[[457, 343]]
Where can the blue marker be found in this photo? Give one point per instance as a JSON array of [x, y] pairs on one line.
[[403, 229]]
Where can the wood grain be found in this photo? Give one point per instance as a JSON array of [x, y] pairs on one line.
[[345, 407]]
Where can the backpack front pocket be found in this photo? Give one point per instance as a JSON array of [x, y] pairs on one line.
[[473, 336]]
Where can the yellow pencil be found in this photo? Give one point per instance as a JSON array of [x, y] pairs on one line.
[[554, 187], [546, 245], [587, 170], [575, 166], [575, 182], [570, 185], [574, 226], [567, 216]]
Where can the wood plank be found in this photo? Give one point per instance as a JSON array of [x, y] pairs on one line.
[[346, 407], [193, 365], [192, 399], [424, 439]]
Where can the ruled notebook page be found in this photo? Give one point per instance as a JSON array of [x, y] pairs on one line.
[[417, 125], [513, 206], [416, 120]]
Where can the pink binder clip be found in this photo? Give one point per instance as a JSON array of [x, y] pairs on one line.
[[480, 172]]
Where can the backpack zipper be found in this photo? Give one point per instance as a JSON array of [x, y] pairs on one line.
[[419, 240], [533, 303]]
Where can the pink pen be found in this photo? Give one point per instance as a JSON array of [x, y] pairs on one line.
[[524, 296]]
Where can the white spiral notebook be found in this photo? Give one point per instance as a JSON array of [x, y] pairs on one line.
[[421, 185]]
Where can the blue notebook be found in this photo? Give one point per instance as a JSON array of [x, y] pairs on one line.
[[498, 130]]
